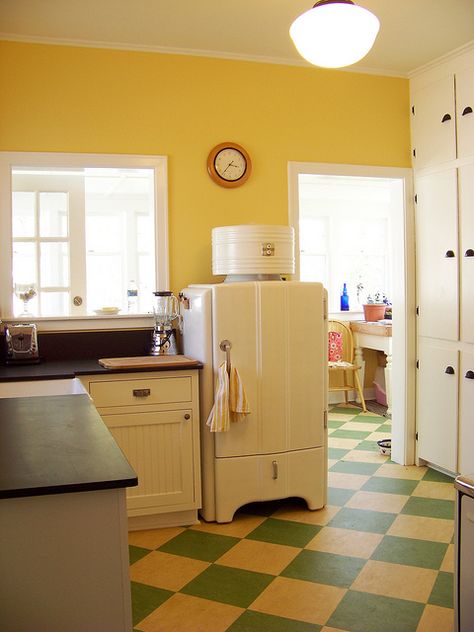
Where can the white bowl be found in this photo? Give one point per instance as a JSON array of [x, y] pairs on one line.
[[107, 311]]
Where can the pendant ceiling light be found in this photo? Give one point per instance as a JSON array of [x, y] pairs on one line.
[[334, 33]]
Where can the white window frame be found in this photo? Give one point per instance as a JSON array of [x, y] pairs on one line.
[[403, 288], [8, 160]]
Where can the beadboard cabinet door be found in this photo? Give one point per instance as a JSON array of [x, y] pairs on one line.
[[466, 250], [466, 416], [437, 255], [465, 112]]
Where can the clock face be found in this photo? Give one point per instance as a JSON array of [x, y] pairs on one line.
[[230, 164]]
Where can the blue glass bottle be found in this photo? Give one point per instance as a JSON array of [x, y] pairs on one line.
[[344, 299]]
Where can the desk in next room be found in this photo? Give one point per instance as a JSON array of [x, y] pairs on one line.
[[376, 336]]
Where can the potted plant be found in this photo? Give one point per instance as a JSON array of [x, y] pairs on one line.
[[374, 308]]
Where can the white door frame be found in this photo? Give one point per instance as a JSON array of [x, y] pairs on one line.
[[403, 274]]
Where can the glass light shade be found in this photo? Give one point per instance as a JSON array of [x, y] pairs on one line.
[[335, 34]]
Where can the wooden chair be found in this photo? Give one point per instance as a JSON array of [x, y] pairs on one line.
[[345, 366]]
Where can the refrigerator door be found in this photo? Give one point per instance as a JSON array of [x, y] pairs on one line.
[[279, 346]]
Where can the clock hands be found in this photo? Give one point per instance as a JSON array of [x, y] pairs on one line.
[[231, 164]]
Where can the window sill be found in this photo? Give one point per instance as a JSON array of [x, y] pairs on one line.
[[88, 323]]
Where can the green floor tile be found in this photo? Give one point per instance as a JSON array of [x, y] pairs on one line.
[[336, 453], [284, 532], [136, 553], [338, 496], [437, 477], [385, 428], [387, 485], [354, 467], [362, 520], [233, 586], [429, 507], [324, 568], [368, 419], [145, 599], [341, 410], [410, 552], [364, 612], [251, 621], [335, 424], [443, 591], [199, 545], [368, 445], [350, 434]]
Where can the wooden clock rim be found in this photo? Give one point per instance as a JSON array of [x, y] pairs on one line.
[[229, 184]]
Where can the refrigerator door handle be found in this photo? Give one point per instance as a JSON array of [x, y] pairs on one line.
[[275, 470], [226, 345]]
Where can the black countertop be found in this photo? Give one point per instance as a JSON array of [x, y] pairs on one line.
[[63, 369], [57, 444]]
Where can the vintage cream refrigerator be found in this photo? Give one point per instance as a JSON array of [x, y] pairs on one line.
[[277, 332]]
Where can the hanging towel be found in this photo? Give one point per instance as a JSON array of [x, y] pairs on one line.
[[230, 400]]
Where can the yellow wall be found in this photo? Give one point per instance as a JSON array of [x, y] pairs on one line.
[[60, 98]]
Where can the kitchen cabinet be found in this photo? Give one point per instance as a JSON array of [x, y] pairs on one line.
[[443, 119], [154, 417]]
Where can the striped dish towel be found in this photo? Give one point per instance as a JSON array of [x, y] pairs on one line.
[[230, 400]]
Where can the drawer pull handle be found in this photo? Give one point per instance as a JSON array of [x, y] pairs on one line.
[[467, 110], [470, 375], [449, 370], [446, 117], [187, 416], [141, 392], [469, 253], [275, 470], [449, 254]]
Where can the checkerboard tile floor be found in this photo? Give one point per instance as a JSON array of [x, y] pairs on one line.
[[378, 557]]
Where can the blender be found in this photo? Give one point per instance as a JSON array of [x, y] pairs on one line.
[[165, 310]]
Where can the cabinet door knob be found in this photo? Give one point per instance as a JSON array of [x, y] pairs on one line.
[[449, 370], [467, 110], [187, 416], [469, 375], [141, 392], [469, 253], [449, 254], [446, 117], [275, 470]]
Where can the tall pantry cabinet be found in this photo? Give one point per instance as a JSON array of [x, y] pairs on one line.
[[442, 102]]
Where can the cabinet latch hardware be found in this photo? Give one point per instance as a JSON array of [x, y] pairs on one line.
[[467, 110], [325, 417], [469, 375], [413, 109], [416, 436], [449, 254], [416, 198], [141, 392], [417, 310], [446, 117], [275, 470], [449, 370], [268, 249], [469, 253], [187, 416], [417, 364]]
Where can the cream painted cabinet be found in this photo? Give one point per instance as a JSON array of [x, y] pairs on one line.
[[466, 250], [154, 417], [466, 421], [443, 119]]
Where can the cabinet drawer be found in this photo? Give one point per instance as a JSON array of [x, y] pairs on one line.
[[148, 391]]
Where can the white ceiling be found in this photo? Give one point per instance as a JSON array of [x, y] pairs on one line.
[[413, 32]]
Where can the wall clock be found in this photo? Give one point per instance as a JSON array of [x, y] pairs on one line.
[[229, 165]]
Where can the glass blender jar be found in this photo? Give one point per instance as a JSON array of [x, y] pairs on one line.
[[165, 310]]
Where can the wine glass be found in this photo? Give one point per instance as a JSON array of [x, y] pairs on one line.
[[25, 292]]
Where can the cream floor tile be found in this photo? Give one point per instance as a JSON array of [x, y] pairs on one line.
[[396, 580], [163, 570], [318, 516], [393, 470], [347, 481], [421, 528], [300, 600], [261, 557], [340, 416], [377, 436], [436, 619], [185, 613], [358, 425], [430, 489], [240, 526], [376, 501], [153, 538], [340, 442], [365, 456], [332, 462], [448, 560], [345, 542]]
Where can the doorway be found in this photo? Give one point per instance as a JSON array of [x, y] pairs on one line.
[[360, 222]]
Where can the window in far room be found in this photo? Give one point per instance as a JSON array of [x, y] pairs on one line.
[[82, 236]]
